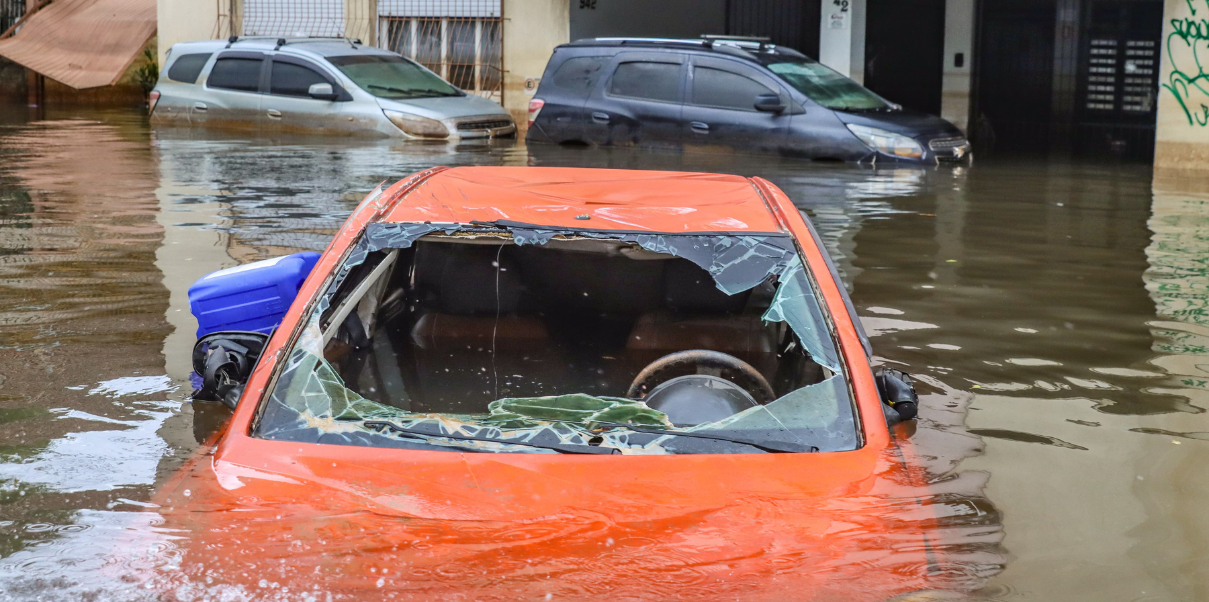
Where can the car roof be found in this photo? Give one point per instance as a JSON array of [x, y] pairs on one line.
[[737, 47], [611, 199], [311, 47]]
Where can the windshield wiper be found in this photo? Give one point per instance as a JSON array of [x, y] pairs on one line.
[[413, 92], [776, 447], [417, 434]]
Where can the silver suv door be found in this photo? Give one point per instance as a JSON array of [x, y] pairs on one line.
[[231, 94], [288, 104]]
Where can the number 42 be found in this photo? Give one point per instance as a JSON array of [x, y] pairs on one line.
[[843, 4]]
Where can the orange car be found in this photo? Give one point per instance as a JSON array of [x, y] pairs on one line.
[[431, 418]]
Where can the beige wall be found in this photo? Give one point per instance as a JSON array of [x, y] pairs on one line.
[[184, 21], [1182, 136], [532, 28], [842, 38], [361, 21], [959, 39]]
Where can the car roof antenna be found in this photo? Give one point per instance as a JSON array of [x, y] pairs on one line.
[[280, 43], [232, 40]]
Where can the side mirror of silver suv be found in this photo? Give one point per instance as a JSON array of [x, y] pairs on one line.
[[322, 92]]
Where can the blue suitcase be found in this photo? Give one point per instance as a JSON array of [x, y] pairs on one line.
[[251, 297]]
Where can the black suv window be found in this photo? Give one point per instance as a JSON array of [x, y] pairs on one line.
[[653, 81], [186, 68], [236, 74], [288, 79], [579, 74], [723, 89]]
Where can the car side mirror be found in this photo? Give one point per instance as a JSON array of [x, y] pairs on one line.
[[769, 103], [322, 92], [900, 402]]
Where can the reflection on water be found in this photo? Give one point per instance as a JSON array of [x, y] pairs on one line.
[[1057, 317]]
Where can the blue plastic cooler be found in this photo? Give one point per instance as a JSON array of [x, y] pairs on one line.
[[253, 296]]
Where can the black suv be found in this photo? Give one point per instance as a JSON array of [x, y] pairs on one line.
[[730, 93]]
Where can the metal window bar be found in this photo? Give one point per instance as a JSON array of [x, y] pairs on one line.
[[460, 40], [10, 12], [463, 50]]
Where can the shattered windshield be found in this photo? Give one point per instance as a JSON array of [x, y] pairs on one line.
[[511, 338]]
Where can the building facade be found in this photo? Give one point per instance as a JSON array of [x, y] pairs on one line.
[[1101, 78]]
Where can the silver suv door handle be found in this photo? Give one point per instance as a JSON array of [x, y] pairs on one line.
[[700, 127], [274, 113], [600, 117], [199, 106]]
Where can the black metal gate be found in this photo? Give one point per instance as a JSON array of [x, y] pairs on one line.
[[792, 23], [10, 11]]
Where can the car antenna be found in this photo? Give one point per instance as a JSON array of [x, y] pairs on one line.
[[353, 42], [280, 43], [232, 40]]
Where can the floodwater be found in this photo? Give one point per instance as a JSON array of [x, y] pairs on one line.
[[1056, 316]]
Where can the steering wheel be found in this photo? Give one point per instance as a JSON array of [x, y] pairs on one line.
[[701, 361]]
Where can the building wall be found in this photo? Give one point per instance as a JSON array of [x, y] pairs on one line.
[[184, 21], [532, 28], [643, 18], [959, 40], [1182, 137]]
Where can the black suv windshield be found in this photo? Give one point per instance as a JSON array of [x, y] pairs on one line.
[[827, 87], [492, 339], [387, 76]]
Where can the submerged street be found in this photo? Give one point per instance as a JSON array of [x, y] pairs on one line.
[[1054, 313]]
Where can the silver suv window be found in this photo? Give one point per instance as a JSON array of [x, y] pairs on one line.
[[289, 79], [387, 76], [241, 74], [188, 67]]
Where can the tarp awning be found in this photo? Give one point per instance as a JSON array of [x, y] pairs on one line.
[[83, 43]]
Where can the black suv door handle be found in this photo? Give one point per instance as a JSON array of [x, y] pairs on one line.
[[700, 127], [600, 117]]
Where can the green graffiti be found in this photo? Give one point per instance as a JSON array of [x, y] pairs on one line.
[[1188, 78]]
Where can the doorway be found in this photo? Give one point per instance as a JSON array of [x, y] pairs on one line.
[[904, 52]]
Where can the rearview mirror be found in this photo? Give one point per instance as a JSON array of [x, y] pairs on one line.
[[769, 103], [322, 92]]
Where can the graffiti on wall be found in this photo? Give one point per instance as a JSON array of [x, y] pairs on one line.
[[1188, 55]]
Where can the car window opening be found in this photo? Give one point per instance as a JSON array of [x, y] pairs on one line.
[[535, 341]]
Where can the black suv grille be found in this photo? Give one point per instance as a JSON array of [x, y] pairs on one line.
[[946, 143], [490, 124]]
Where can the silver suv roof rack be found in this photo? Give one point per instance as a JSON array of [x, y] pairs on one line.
[[354, 42]]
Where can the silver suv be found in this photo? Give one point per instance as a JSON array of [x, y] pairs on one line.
[[317, 84]]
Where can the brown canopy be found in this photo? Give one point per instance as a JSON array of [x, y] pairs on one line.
[[83, 43]]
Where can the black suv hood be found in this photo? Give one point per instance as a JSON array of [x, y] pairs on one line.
[[905, 122]]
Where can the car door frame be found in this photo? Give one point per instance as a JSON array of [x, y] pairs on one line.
[[620, 126], [733, 128], [303, 112], [231, 108]]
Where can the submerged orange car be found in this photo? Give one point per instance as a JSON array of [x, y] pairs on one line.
[[508, 383]]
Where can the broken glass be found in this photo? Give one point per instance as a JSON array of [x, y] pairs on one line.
[[796, 305], [310, 401]]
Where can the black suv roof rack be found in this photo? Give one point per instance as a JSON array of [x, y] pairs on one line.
[[760, 42], [739, 46]]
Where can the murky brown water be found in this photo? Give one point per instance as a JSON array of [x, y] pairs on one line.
[[1056, 314]]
